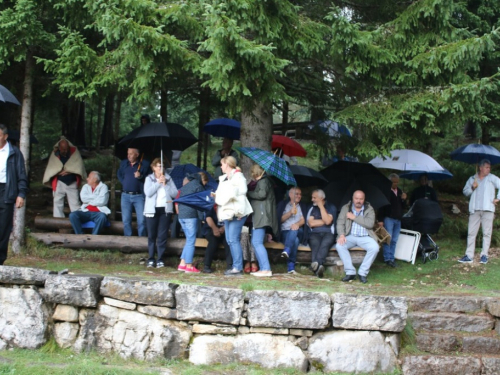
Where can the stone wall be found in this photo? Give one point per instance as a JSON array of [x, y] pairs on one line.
[[207, 325]]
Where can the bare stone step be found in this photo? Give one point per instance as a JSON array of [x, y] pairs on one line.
[[451, 322], [442, 365], [74, 290], [448, 304], [493, 307], [481, 345], [23, 275], [435, 343]]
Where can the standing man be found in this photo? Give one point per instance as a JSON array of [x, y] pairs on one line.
[[227, 150], [481, 190], [292, 220], [95, 196], [13, 188], [131, 175], [355, 228], [64, 173], [390, 217]]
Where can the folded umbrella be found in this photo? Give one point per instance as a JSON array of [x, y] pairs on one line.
[[272, 164]]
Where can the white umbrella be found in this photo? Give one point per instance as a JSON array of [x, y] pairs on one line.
[[407, 160]]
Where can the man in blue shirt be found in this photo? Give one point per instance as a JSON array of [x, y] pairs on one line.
[[131, 174]]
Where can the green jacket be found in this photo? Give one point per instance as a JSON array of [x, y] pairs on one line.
[[263, 203], [367, 221]]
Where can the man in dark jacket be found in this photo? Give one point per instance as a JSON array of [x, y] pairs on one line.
[[13, 188], [390, 218]]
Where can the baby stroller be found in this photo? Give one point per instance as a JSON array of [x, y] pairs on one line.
[[426, 217]]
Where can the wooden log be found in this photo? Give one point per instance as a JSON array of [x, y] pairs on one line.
[[56, 223]]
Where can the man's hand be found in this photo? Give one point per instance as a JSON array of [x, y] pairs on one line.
[[474, 185], [380, 223], [222, 230], [403, 196], [19, 202], [63, 173], [216, 232], [320, 203], [294, 226], [495, 201], [351, 216], [137, 174], [294, 209], [341, 240]]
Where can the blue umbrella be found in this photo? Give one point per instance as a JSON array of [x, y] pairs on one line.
[[269, 162], [432, 175], [473, 153], [223, 127], [202, 201], [180, 171]]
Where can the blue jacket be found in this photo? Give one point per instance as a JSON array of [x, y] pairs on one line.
[[144, 171], [17, 180]]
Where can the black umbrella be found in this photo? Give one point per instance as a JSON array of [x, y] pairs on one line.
[[306, 177], [14, 135], [340, 192], [7, 96]]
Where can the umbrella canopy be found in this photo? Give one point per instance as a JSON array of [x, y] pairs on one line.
[[432, 175], [180, 171], [14, 135], [289, 146], [473, 153], [272, 164], [350, 171], [155, 137], [407, 160], [223, 127], [7, 96], [306, 177], [202, 201], [340, 192], [332, 128]]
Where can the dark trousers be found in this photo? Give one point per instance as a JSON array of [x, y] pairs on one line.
[[213, 244], [6, 217], [320, 244], [158, 233]]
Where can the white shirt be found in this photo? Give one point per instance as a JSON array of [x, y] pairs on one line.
[[4, 154]]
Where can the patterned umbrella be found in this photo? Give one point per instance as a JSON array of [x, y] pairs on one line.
[[272, 164]]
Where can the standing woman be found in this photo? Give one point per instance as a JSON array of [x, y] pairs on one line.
[[159, 189], [263, 203], [233, 209]]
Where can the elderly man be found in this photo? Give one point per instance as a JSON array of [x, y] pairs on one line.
[[320, 219], [13, 188], [131, 175], [390, 217], [481, 190], [95, 196], [292, 221], [64, 173], [355, 228], [227, 144]]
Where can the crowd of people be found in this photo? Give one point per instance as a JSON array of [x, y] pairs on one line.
[[245, 216]]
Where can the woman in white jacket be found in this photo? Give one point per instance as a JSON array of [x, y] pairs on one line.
[[233, 209], [160, 190]]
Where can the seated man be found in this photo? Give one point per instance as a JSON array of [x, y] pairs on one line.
[[95, 196], [355, 228], [292, 221], [320, 219], [213, 231], [424, 191]]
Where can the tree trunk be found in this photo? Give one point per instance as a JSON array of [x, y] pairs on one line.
[[163, 105], [203, 118], [98, 125], [256, 131], [112, 187], [18, 235], [107, 129]]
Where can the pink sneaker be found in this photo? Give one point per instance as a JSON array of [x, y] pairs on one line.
[[192, 269], [181, 267]]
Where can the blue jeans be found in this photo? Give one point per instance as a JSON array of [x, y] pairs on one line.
[[137, 202], [393, 227], [258, 235], [233, 236], [189, 226], [78, 217], [290, 239]]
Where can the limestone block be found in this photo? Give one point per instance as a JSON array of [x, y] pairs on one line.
[[132, 334], [73, 290], [209, 304], [158, 311], [352, 352], [243, 330], [66, 313], [442, 365], [497, 326], [448, 304], [278, 309], [86, 340], [481, 345], [491, 366], [119, 304], [270, 331], [243, 322], [208, 329], [301, 332], [24, 318], [265, 350], [65, 333], [144, 292], [302, 342], [362, 312], [433, 343], [394, 340], [451, 322], [493, 307], [22, 275]]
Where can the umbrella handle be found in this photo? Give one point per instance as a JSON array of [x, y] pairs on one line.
[[140, 163]]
